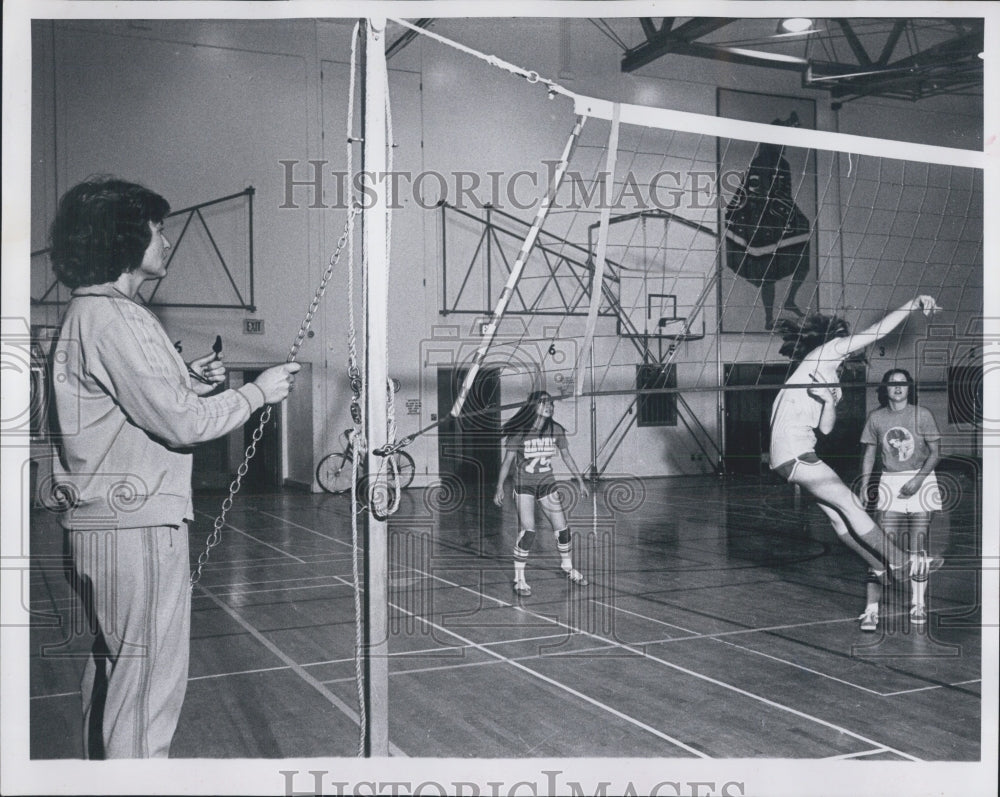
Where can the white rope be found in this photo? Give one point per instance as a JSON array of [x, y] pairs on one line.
[[704, 124], [357, 433], [530, 75], [803, 138], [392, 471], [490, 329], [597, 276]]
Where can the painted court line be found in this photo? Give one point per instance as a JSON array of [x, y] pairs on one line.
[[929, 688], [297, 668], [224, 565], [348, 660], [442, 668], [258, 540], [695, 635], [261, 591], [300, 526], [266, 581], [236, 673], [860, 754], [664, 663], [551, 681], [559, 685], [701, 676], [775, 704]]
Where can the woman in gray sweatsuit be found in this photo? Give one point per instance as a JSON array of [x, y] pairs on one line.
[[128, 411]]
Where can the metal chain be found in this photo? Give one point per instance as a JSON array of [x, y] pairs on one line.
[[215, 537]]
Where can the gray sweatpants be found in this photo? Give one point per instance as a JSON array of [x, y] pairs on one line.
[[134, 584]]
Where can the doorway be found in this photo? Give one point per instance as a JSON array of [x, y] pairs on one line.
[[215, 462], [748, 415], [469, 446], [748, 418]]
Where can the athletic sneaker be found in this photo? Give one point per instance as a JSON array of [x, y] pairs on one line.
[[521, 588], [576, 577], [918, 615], [869, 620]]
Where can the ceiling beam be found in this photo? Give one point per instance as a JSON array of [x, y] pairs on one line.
[[855, 43], [931, 71], [650, 29], [664, 40], [890, 43], [943, 64], [968, 45], [731, 55], [694, 29]]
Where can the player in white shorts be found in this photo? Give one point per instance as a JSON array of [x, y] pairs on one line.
[[906, 438], [820, 346]]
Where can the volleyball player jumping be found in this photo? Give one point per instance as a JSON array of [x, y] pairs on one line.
[[819, 347]]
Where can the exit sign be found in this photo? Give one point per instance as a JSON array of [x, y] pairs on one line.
[[253, 326]]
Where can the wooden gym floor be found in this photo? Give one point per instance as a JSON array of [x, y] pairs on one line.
[[720, 623]]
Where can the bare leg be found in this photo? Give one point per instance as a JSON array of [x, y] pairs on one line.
[[917, 528], [844, 533], [552, 506], [867, 537], [525, 540], [873, 589]]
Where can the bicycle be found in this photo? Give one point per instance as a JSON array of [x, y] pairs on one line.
[[334, 471]]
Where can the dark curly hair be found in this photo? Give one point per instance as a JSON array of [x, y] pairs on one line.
[[524, 418], [101, 230], [812, 332], [883, 389]]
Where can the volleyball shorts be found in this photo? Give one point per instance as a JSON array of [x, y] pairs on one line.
[[536, 489], [926, 499], [787, 469]]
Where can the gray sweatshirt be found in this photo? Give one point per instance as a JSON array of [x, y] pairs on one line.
[[127, 415]]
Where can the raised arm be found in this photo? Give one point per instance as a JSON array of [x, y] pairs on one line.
[[143, 379], [840, 348]]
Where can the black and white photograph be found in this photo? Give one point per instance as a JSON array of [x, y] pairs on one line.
[[538, 398]]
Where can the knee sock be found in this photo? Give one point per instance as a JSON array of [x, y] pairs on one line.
[[525, 540], [918, 587], [873, 589], [919, 527], [876, 542], [565, 547]]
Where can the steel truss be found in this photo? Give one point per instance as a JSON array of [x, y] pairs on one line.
[[569, 268], [192, 212]]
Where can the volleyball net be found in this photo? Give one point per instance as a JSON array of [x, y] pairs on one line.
[[667, 245]]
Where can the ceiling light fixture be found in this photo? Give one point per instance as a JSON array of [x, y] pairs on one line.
[[794, 25]]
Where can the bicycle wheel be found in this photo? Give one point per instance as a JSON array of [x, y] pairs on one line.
[[405, 467], [334, 472]]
